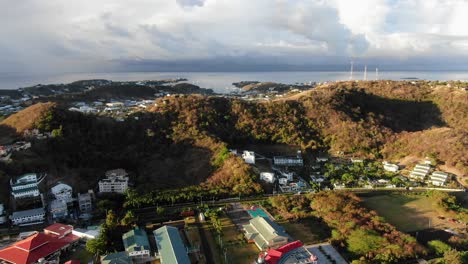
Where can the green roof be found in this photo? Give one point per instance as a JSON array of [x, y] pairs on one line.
[[170, 246], [116, 258], [135, 240], [267, 228]]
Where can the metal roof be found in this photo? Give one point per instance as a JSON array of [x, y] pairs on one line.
[[170, 245], [135, 240]]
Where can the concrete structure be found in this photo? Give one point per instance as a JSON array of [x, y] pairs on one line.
[[249, 157], [43, 247], [439, 178], [28, 217], [136, 243], [265, 233], [116, 258], [288, 161], [390, 167], [85, 202], [89, 233], [267, 176], [25, 186], [63, 192], [58, 209], [2, 214], [283, 181], [171, 249], [115, 181], [420, 171]]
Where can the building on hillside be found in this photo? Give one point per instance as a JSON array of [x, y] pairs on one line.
[[439, 178], [58, 209], [249, 157], [115, 181], [283, 181], [43, 247], [25, 186], [265, 233], [171, 249], [420, 171], [288, 160], [390, 167], [116, 258], [28, 217], [63, 192], [3, 218], [136, 243], [267, 176], [85, 202]]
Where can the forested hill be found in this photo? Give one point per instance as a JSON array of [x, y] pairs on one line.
[[183, 140]]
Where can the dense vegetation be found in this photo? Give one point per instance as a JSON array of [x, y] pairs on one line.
[[362, 233]]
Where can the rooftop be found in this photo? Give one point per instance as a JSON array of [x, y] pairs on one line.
[[170, 245], [19, 214], [135, 240]]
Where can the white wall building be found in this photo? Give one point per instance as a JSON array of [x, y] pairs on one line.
[[390, 167], [249, 157], [420, 171], [25, 186], [58, 209], [439, 178], [115, 181], [85, 202], [288, 161], [2, 214], [62, 192], [28, 217], [267, 176]]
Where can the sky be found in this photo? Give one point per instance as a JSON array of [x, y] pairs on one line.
[[196, 35]]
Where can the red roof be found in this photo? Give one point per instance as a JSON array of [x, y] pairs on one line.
[[274, 255], [58, 229], [33, 248]]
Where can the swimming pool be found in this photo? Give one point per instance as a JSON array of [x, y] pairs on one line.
[[257, 212]]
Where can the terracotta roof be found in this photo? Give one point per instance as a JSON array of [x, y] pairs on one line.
[[33, 248]]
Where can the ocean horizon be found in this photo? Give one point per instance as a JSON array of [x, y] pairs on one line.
[[221, 82]]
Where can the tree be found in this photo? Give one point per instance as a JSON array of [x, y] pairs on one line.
[[361, 241], [96, 246], [128, 219], [452, 256], [111, 220], [438, 247]]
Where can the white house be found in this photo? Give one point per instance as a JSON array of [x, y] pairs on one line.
[[283, 181], [58, 209], [249, 157], [390, 167], [62, 192], [88, 233], [25, 186], [439, 178], [267, 176], [115, 181], [420, 171], [288, 160], [85, 202], [28, 217]]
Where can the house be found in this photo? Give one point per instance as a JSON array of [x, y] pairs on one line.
[[356, 160], [265, 233], [288, 160], [136, 243], [3, 218], [115, 181], [249, 157], [58, 209], [321, 159], [85, 202], [116, 258], [288, 175], [63, 192], [390, 167], [43, 247], [28, 217], [420, 171], [171, 249], [25, 186], [438, 178], [283, 181], [267, 176]]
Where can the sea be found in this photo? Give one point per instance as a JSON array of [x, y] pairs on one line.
[[221, 82]]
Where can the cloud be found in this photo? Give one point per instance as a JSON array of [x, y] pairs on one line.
[[89, 35]]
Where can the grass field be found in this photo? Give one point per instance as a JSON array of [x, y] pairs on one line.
[[406, 212], [308, 230]]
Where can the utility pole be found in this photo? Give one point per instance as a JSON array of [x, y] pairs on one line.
[[365, 73]]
